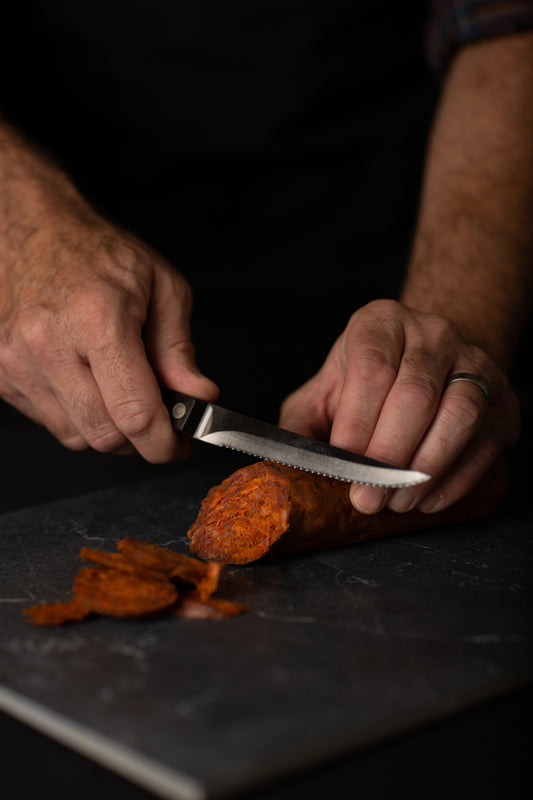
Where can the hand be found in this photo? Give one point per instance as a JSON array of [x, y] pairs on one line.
[[92, 323], [383, 392]]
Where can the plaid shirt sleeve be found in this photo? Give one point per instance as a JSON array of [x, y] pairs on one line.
[[454, 23]]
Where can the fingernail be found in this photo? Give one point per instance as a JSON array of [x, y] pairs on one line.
[[403, 500], [368, 499], [431, 503]]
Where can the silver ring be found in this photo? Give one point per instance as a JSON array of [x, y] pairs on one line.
[[469, 378]]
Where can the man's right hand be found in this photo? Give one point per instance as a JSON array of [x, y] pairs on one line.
[[92, 323]]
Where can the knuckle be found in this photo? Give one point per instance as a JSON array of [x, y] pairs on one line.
[[130, 253], [95, 423], [372, 367], [379, 318], [419, 393], [162, 456], [10, 362], [176, 284], [344, 438], [463, 410], [102, 312], [65, 432], [134, 419], [127, 263], [96, 309], [183, 347], [105, 440], [480, 359], [444, 333], [73, 441], [382, 307], [35, 333]]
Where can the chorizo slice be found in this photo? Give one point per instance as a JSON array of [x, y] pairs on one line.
[[139, 580], [121, 562], [57, 613], [174, 565], [109, 592], [115, 593], [269, 509]]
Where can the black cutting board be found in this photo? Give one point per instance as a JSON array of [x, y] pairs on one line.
[[340, 649]]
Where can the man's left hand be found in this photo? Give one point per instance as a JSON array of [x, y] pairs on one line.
[[383, 391]]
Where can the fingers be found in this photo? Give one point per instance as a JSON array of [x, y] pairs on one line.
[[369, 357], [85, 374], [459, 416], [167, 337], [128, 404], [434, 430], [125, 398], [466, 436], [458, 446], [62, 394], [390, 390], [111, 403], [419, 421], [384, 393]]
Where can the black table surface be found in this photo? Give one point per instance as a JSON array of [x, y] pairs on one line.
[[475, 747]]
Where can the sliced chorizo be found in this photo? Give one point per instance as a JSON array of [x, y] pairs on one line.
[[267, 509]]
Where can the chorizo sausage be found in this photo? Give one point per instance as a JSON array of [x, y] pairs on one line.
[[268, 509]]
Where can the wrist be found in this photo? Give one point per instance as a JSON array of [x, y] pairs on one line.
[[33, 189], [488, 303]]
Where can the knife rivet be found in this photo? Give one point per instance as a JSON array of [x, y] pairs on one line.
[[178, 411]]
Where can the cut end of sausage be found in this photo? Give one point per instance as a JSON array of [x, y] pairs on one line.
[[240, 519]]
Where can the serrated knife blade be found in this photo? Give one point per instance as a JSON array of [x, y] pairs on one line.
[[211, 423]]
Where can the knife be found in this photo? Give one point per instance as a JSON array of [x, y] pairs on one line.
[[212, 423]]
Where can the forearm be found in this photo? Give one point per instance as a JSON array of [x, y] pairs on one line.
[[32, 188], [472, 259]]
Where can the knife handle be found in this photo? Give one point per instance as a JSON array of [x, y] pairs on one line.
[[185, 411]]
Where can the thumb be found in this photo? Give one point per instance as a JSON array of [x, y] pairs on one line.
[[167, 337]]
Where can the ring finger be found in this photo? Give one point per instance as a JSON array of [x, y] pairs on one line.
[[462, 408]]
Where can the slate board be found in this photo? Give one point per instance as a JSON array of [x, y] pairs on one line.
[[341, 648]]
